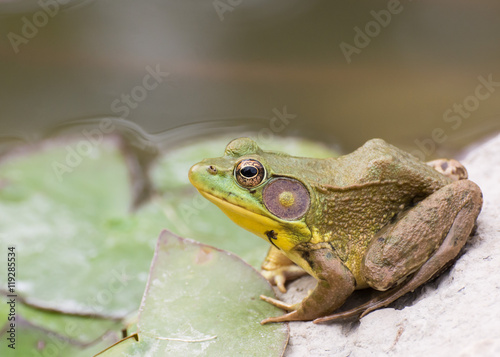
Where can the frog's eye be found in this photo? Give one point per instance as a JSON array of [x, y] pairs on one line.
[[249, 173], [286, 198]]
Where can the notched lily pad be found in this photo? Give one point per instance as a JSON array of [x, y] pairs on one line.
[[199, 301]]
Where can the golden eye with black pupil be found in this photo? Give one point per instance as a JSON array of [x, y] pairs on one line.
[[249, 173]]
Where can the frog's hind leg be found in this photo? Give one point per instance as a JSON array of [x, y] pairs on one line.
[[405, 249]]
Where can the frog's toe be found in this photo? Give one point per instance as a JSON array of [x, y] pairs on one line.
[[355, 313], [283, 318], [280, 283], [277, 303], [449, 167], [291, 316]]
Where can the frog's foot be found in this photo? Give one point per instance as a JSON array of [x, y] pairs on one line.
[[278, 269], [294, 312], [449, 167], [281, 275], [291, 308], [462, 202]]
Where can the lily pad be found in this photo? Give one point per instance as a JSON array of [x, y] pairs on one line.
[[83, 329], [202, 301], [79, 247], [34, 341]]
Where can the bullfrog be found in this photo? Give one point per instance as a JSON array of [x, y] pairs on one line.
[[375, 218]]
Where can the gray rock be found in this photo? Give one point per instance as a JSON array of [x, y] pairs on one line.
[[457, 314]]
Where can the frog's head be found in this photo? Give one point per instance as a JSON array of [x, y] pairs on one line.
[[252, 188]]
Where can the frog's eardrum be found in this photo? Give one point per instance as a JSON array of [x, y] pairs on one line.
[[286, 198]]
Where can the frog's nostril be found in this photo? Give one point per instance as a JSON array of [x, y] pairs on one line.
[[212, 170]]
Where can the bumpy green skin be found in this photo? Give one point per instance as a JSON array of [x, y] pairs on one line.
[[378, 217], [362, 192]]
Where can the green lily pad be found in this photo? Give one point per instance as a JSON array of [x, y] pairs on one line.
[[79, 247], [191, 215], [85, 330], [34, 341], [202, 301]]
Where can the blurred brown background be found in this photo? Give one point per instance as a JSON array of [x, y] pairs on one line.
[[349, 71]]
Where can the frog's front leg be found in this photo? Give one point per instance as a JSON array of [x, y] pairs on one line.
[[335, 284], [418, 245], [278, 269]]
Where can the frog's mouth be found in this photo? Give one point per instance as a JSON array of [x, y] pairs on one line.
[[258, 224], [232, 210]]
